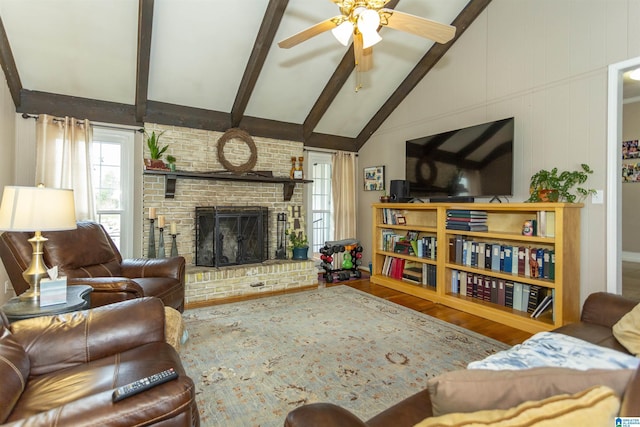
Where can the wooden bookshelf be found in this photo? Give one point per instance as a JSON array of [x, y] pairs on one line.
[[504, 221]]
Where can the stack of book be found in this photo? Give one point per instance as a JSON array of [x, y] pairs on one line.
[[466, 220]]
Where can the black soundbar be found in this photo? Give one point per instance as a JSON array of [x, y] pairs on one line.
[[452, 199]]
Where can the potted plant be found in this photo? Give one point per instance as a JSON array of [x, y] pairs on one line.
[[299, 243], [554, 186], [385, 198], [155, 151], [172, 162]]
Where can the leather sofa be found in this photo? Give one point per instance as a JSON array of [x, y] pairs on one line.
[[88, 256], [62, 370], [599, 313]]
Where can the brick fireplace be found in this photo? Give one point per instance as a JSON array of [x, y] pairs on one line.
[[196, 150]]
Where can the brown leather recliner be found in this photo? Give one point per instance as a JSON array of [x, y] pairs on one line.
[[62, 370], [88, 256]]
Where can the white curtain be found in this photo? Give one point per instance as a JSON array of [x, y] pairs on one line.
[[63, 148], [343, 189]]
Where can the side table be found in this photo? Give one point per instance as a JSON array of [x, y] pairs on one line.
[[77, 299]]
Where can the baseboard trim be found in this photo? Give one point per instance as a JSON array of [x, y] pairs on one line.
[[631, 256]]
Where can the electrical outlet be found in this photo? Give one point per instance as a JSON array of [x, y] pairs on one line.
[[598, 197], [7, 286]]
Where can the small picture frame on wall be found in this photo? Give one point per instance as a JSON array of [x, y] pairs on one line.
[[630, 149], [374, 178]]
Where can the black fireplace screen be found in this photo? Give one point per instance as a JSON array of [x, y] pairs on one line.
[[231, 235]]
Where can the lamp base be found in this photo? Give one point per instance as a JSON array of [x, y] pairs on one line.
[[36, 270]]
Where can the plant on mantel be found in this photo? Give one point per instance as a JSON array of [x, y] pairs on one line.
[[551, 186], [155, 151], [297, 240]]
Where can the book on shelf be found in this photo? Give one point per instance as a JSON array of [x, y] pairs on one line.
[[494, 290], [545, 224], [508, 293], [467, 227], [535, 295], [517, 295], [524, 303], [495, 257], [501, 292], [466, 213], [487, 255]]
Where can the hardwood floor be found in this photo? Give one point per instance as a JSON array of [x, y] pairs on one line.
[[474, 323], [477, 324]]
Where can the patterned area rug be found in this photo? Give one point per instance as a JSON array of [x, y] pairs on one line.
[[254, 361]]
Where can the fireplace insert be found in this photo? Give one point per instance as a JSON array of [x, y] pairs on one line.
[[231, 235]]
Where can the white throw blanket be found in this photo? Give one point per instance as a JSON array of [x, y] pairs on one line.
[[554, 349]]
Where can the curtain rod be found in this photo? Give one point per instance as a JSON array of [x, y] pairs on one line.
[[59, 119], [325, 150]]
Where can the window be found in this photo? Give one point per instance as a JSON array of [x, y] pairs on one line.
[[112, 175], [320, 226]]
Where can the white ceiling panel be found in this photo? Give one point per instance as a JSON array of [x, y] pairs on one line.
[[83, 48], [200, 49], [292, 79], [393, 58]]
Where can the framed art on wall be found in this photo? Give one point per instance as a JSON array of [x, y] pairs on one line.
[[374, 178]]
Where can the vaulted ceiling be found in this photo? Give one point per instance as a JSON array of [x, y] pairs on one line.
[[215, 65]]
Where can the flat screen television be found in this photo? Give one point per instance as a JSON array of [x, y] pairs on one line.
[[475, 161]]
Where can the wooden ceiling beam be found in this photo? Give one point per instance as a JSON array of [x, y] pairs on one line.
[[9, 66], [264, 40], [34, 102], [145, 26], [465, 18]]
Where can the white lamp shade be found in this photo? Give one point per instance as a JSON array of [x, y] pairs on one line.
[[343, 32], [370, 38], [37, 209]]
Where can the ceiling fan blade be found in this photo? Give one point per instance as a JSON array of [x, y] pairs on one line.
[[419, 26], [306, 34], [363, 57]]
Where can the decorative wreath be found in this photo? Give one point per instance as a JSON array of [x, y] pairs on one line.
[[236, 133]]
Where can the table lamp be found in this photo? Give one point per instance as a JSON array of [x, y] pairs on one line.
[[36, 209]]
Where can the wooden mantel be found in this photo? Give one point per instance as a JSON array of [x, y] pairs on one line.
[[170, 178]]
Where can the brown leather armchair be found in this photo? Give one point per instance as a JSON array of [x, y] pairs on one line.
[[88, 256], [62, 370]]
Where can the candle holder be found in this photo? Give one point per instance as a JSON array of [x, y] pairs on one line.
[[174, 246], [161, 244], [151, 253]]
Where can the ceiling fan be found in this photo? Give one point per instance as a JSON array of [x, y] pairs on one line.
[[362, 19]]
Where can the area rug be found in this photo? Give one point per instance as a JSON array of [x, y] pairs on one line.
[[254, 361]]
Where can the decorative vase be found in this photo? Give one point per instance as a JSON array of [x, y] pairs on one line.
[[300, 253], [548, 195], [293, 167]]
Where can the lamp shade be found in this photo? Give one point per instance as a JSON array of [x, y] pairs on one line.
[[343, 32], [37, 209]]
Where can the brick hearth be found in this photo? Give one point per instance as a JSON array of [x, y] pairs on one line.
[[205, 284]]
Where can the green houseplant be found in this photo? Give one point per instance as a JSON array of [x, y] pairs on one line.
[[155, 151], [554, 186], [299, 243]]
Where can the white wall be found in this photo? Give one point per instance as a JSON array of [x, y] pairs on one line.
[[543, 62], [7, 160]]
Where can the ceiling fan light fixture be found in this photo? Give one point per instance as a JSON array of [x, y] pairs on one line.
[[343, 32], [370, 38], [635, 74], [368, 23]]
